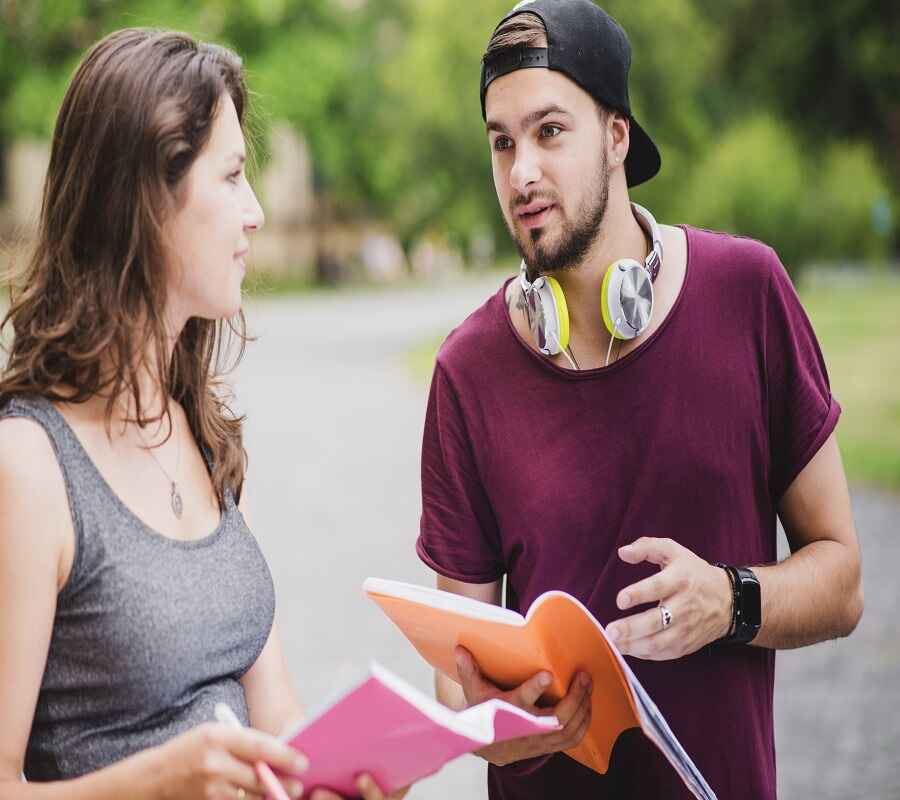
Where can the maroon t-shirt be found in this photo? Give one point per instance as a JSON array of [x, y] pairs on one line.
[[541, 473]]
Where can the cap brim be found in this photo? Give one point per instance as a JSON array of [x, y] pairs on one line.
[[643, 160]]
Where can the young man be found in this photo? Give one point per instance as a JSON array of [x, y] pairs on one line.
[[631, 437]]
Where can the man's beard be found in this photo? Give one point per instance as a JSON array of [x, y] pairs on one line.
[[576, 237]]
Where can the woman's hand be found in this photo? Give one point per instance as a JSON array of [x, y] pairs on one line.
[[367, 788], [216, 762]]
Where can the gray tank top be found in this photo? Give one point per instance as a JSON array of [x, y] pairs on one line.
[[150, 632]]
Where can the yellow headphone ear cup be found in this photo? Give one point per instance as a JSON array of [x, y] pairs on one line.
[[604, 300], [562, 311]]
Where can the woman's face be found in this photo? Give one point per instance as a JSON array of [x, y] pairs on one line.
[[209, 236]]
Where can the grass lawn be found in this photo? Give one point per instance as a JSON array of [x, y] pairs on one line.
[[858, 326], [859, 330]]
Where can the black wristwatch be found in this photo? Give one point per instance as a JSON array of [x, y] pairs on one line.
[[746, 607]]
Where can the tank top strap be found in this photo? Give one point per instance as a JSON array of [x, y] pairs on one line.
[[229, 501]]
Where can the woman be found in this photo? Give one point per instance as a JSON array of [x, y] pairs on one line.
[[132, 596]]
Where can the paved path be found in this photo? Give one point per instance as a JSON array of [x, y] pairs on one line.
[[333, 429]]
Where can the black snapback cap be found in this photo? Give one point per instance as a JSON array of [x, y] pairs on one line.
[[590, 47]]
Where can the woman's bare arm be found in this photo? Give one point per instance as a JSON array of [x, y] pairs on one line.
[[271, 697]]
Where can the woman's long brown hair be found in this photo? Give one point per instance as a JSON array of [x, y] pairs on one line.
[[87, 308]]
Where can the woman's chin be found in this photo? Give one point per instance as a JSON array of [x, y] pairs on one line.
[[221, 311], [234, 308], [235, 299]]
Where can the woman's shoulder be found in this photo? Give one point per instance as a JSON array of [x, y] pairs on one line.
[[33, 496], [32, 489], [28, 461], [21, 432], [29, 426]]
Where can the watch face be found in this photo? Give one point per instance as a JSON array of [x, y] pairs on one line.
[[750, 602]]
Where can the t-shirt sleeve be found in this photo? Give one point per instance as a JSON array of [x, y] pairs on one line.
[[802, 410], [458, 535]]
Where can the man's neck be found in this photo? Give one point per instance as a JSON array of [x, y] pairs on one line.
[[620, 237]]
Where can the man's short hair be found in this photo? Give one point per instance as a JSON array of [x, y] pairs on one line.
[[522, 30]]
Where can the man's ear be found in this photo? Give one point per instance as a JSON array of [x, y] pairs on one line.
[[619, 128]]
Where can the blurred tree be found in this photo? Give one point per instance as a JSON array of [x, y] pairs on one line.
[[386, 94], [312, 62], [833, 69], [672, 47], [434, 161], [41, 42], [757, 180], [319, 67]]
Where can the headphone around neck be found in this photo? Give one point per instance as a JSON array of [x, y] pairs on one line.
[[626, 295]]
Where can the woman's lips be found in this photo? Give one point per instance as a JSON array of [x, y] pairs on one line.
[[534, 214]]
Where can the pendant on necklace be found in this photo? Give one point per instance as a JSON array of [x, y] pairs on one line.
[[177, 505]]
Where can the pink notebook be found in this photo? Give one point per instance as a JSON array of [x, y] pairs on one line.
[[388, 728]]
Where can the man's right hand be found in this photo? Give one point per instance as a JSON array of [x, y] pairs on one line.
[[573, 711]]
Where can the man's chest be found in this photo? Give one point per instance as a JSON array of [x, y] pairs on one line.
[[583, 466]]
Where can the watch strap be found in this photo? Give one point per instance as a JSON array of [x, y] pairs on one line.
[[748, 618], [745, 622]]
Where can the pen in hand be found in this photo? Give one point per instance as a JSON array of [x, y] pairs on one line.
[[273, 786]]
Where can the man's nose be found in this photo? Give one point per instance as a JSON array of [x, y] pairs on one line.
[[526, 169]]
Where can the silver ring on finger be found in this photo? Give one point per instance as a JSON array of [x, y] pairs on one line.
[[665, 616]]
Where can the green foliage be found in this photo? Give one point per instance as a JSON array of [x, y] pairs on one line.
[[28, 102], [826, 66], [849, 187], [757, 180], [386, 94], [41, 43], [667, 88], [436, 172]]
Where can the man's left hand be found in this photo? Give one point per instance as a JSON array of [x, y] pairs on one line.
[[695, 593]]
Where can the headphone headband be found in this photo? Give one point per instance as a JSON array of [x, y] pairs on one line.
[[647, 222]]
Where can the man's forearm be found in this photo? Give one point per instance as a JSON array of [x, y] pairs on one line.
[[814, 595]]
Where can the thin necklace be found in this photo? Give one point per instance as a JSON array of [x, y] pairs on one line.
[[177, 504]]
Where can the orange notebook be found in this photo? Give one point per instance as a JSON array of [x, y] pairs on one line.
[[557, 634]]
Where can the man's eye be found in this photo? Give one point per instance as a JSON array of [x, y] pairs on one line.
[[234, 177], [549, 131], [502, 143]]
